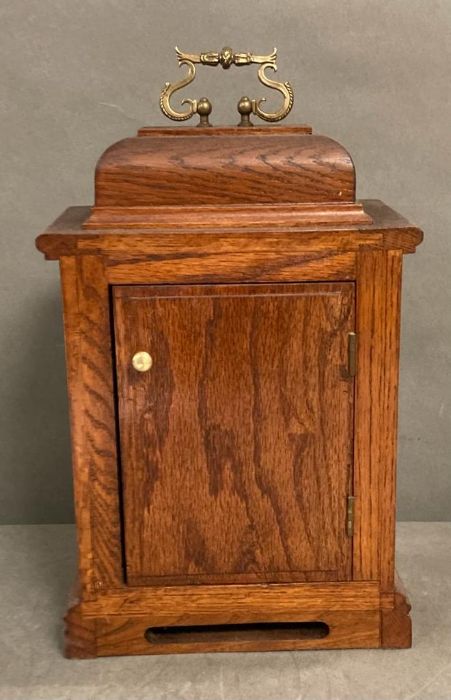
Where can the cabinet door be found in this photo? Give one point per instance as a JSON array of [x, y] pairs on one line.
[[236, 444]]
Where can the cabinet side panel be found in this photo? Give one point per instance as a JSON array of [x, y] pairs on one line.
[[378, 310], [72, 337], [390, 427], [91, 398]]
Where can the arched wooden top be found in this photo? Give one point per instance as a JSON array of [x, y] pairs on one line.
[[224, 167]]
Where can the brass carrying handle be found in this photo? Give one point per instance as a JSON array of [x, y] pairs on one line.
[[226, 58]]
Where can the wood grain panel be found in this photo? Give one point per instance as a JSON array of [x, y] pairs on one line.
[[389, 399], [236, 446], [224, 169], [378, 313], [215, 604], [234, 267], [348, 630], [91, 400], [155, 245]]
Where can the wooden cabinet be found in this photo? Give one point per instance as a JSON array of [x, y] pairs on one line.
[[232, 337]]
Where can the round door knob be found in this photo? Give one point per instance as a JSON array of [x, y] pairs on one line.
[[142, 361]]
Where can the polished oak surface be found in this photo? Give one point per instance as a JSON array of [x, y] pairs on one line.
[[225, 168], [237, 443], [276, 166], [219, 429], [245, 230]]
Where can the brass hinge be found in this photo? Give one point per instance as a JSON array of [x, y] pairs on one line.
[[350, 509], [352, 354]]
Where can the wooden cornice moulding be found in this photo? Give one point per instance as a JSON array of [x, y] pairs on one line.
[[70, 234], [277, 215]]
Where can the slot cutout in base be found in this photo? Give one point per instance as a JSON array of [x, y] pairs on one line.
[[244, 632]]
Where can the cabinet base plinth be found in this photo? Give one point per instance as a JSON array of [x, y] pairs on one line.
[[123, 635], [79, 635], [396, 625], [144, 623]]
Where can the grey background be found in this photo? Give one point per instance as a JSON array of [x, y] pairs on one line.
[[77, 76]]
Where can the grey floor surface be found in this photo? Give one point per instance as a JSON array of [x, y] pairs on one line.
[[36, 571]]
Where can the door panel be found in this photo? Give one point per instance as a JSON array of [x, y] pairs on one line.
[[236, 445]]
